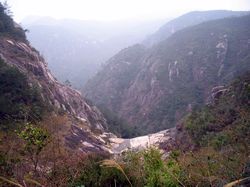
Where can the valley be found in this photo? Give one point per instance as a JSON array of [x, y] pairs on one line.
[[129, 105], [152, 89], [75, 50]]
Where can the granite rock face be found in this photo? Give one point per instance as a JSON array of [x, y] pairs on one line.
[[85, 118], [120, 145]]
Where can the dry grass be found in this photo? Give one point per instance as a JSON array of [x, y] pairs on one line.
[[237, 182], [114, 164]]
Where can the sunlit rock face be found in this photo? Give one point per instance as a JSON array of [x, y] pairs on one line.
[[120, 145], [163, 83], [84, 118]]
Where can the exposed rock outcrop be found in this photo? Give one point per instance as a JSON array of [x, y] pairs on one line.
[[64, 98], [158, 139]]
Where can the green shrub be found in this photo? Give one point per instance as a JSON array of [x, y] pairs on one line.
[[91, 173], [35, 139], [18, 100], [119, 126], [158, 172], [220, 140], [221, 135]]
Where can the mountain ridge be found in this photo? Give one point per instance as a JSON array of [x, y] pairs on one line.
[[80, 46], [196, 59], [186, 20]]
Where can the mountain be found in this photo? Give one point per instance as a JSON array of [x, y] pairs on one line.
[[46, 128], [218, 123], [224, 116], [75, 49], [153, 89], [189, 19], [29, 92], [216, 136]]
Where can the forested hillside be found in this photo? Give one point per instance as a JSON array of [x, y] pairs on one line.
[[153, 89]]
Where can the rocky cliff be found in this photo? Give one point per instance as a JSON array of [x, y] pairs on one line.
[[174, 76], [84, 118]]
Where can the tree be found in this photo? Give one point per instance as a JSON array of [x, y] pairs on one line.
[[7, 26], [35, 139], [7, 9], [68, 83]]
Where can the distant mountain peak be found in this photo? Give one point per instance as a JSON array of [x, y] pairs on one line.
[[186, 20]]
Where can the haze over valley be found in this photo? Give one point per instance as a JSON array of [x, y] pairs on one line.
[[75, 49], [125, 93]]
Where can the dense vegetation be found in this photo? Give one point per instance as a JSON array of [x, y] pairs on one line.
[[42, 159], [221, 135], [218, 133], [226, 122], [117, 125], [18, 100]]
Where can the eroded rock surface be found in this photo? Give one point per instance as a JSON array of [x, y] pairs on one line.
[[120, 145], [85, 118]]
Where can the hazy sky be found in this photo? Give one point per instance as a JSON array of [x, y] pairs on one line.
[[118, 9]]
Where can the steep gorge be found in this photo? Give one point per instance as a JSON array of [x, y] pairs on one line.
[[173, 77]]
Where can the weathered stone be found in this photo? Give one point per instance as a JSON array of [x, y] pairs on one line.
[[28, 61]]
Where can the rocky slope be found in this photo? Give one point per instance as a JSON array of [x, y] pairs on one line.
[[174, 76], [229, 108], [116, 76], [84, 118], [186, 20]]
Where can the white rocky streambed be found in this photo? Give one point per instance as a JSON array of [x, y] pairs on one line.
[[119, 145]]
